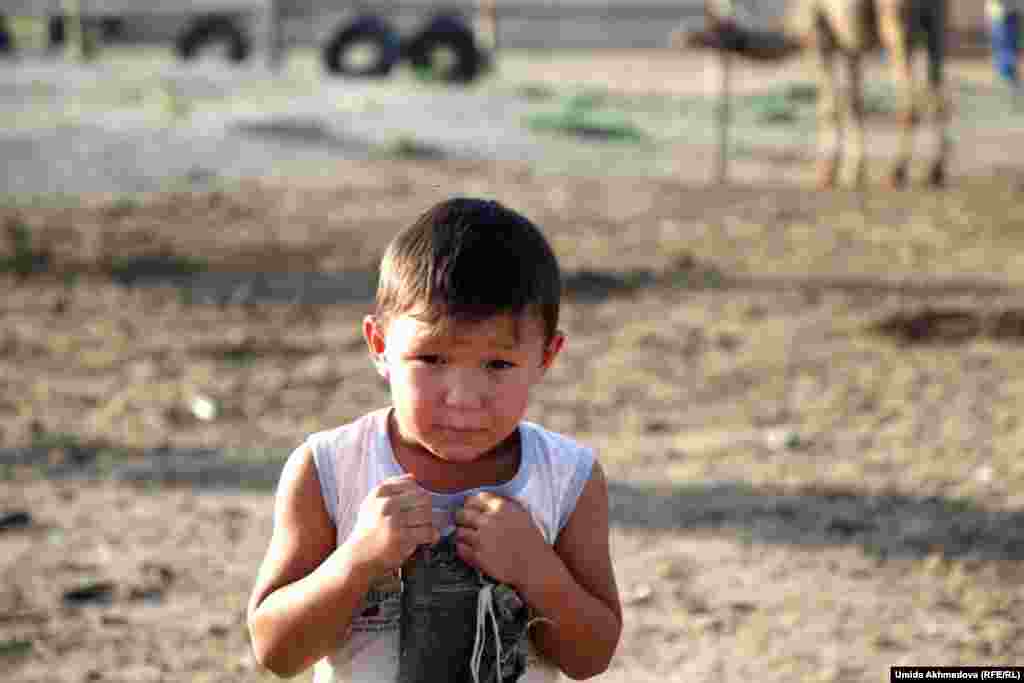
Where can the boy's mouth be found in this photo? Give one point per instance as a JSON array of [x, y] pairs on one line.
[[461, 431]]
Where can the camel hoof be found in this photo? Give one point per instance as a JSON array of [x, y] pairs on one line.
[[828, 175], [937, 176], [909, 118], [860, 178], [826, 183], [897, 178]]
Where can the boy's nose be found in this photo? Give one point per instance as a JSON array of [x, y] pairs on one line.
[[465, 389]]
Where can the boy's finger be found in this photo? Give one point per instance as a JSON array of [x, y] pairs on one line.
[[418, 517], [399, 479], [467, 536], [397, 484], [465, 551], [465, 517], [407, 501], [422, 535], [430, 535]]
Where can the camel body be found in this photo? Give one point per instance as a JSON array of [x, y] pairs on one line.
[[840, 34]]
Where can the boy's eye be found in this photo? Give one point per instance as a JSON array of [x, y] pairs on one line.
[[499, 365], [430, 359]]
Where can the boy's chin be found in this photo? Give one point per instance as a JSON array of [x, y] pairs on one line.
[[458, 454], [460, 447]]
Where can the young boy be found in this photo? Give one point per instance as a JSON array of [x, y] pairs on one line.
[[466, 325]]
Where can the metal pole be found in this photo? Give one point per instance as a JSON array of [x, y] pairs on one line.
[[274, 35]]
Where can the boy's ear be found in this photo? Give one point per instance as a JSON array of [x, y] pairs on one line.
[[376, 342], [552, 350]]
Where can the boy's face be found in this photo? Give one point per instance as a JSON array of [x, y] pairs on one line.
[[460, 395]]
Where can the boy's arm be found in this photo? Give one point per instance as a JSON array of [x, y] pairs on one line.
[[307, 589], [574, 587], [571, 586]]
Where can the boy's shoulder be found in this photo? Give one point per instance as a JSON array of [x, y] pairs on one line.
[[556, 442], [348, 434]]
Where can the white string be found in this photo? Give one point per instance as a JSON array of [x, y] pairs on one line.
[[485, 610]]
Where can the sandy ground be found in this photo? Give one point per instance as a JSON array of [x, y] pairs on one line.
[[807, 403]]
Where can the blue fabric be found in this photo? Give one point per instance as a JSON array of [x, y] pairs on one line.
[[1006, 45]]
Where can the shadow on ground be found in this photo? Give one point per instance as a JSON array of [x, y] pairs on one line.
[[884, 525], [889, 525], [200, 285]]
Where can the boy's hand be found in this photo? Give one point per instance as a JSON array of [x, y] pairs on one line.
[[393, 520], [497, 535]]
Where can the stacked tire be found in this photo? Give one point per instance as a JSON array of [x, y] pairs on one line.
[[107, 28], [446, 35], [366, 30], [213, 30], [367, 46]]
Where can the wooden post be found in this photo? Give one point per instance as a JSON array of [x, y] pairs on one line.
[[78, 44], [487, 24], [723, 115], [274, 35], [722, 10]]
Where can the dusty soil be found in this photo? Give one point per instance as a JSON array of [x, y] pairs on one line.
[[808, 405]]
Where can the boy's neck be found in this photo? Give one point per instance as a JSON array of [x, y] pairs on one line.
[[496, 467]]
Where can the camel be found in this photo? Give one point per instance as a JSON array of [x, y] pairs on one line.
[[843, 32]]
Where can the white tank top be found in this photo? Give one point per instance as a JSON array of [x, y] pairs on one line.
[[354, 458]]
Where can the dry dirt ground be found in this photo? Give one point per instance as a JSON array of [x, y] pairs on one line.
[[809, 406]]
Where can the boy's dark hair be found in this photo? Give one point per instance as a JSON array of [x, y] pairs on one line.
[[466, 260]]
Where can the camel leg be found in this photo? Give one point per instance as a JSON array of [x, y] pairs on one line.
[[852, 99], [894, 27], [829, 131], [938, 104]]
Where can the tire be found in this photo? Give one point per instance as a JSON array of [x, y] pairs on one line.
[[366, 28], [208, 29], [107, 28], [111, 28], [448, 32]]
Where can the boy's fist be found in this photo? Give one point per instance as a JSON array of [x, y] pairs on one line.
[[496, 534], [393, 520]]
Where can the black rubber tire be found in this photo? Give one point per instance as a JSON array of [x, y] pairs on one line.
[[212, 28], [366, 28], [6, 44], [447, 31], [108, 28], [57, 35], [111, 28]]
